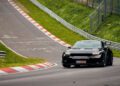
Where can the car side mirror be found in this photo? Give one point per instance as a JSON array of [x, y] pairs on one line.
[[107, 43]]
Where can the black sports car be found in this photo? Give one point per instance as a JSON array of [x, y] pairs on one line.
[[88, 52]]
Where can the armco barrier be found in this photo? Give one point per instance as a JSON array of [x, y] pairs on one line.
[[2, 54], [113, 45]]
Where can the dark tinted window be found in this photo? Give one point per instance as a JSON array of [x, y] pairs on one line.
[[88, 44]]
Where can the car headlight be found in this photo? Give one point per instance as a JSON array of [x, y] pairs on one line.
[[96, 53], [67, 53], [96, 56]]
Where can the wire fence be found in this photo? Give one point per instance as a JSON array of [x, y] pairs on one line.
[[104, 8], [113, 45], [116, 6], [90, 3], [99, 15]]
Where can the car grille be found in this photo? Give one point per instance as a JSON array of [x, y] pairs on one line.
[[81, 54], [79, 57]]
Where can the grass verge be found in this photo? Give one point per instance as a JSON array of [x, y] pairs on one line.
[[110, 29], [52, 25], [49, 23], [78, 15], [73, 12], [11, 59]]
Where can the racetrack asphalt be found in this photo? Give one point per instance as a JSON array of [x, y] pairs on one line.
[[23, 37]]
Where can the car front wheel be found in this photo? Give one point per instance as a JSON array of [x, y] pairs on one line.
[[103, 64], [110, 62], [66, 65]]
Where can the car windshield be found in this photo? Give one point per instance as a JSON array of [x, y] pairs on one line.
[[87, 44]]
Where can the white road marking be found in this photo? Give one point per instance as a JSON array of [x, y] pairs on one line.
[[9, 37]]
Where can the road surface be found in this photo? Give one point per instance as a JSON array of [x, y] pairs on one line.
[[23, 37]]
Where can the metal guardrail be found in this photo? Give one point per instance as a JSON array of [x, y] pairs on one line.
[[2, 53], [113, 45]]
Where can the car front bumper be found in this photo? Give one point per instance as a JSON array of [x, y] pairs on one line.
[[90, 61]]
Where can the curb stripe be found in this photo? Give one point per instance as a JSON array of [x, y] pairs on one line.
[[45, 67], [20, 69], [34, 67], [37, 25], [47, 64], [2, 72], [40, 66], [28, 68], [8, 70]]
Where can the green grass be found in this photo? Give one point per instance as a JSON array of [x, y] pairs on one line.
[[78, 15], [116, 53], [52, 25], [12, 59], [75, 13], [110, 29]]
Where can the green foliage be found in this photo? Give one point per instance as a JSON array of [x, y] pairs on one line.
[[74, 13], [78, 15], [51, 24], [116, 53], [110, 29], [12, 59]]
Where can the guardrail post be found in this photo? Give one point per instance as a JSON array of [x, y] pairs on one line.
[[2, 54], [105, 8]]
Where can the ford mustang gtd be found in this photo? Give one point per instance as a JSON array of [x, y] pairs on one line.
[[88, 52]]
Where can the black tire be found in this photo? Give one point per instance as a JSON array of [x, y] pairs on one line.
[[109, 58], [110, 62], [103, 64], [66, 65]]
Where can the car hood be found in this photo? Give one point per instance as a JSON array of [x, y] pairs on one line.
[[83, 51]]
